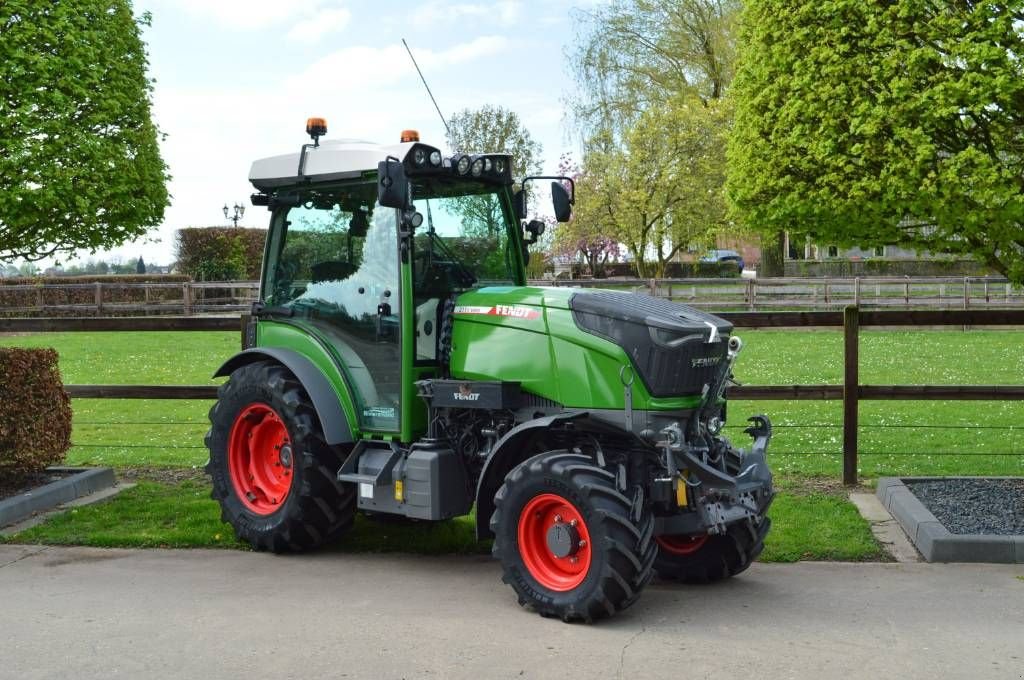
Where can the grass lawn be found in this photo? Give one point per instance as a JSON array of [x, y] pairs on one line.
[[895, 437], [816, 525]]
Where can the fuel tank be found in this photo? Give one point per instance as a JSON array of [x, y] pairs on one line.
[[578, 347]]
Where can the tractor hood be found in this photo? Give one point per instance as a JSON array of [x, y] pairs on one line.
[[578, 338]]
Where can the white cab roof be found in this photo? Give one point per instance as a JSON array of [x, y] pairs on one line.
[[334, 158]]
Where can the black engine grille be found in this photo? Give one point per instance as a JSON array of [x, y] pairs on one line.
[[667, 343]]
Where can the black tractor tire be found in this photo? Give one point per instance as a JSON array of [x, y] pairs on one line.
[[620, 552], [719, 557], [316, 508]]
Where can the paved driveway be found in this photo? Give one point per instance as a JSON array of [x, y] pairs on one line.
[[85, 613]]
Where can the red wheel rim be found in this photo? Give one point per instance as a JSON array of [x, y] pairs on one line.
[[260, 459], [543, 514], [682, 545]]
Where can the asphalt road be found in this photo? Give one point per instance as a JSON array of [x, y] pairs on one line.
[[85, 613]]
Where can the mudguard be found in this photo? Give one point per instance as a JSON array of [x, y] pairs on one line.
[[508, 453], [325, 401]]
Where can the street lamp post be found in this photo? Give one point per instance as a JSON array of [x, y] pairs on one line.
[[239, 211]]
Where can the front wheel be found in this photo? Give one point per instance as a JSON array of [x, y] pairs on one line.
[[706, 558], [273, 474], [567, 540]]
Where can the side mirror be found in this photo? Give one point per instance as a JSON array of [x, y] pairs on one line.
[[392, 185], [562, 202], [519, 204], [536, 229]]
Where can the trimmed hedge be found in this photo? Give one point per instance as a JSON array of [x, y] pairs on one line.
[[221, 253], [673, 270], [887, 267], [35, 411]]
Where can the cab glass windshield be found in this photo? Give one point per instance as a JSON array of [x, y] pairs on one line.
[[464, 241]]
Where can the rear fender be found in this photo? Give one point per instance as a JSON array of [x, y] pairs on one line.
[[321, 393]]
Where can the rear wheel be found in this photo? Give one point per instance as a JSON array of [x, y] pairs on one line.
[[566, 539], [272, 472], [707, 558]]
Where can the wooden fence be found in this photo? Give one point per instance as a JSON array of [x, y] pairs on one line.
[[851, 392], [100, 299], [132, 298], [963, 292]]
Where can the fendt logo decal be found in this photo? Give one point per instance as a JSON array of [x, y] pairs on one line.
[[466, 394], [705, 362], [512, 311]]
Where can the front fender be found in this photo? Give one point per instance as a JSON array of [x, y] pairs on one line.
[[325, 400]]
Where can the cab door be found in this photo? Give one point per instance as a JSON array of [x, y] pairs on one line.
[[333, 262]]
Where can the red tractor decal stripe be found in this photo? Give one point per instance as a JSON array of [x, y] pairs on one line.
[[513, 311]]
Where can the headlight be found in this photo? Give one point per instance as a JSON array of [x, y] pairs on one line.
[[478, 167], [435, 158], [419, 157], [499, 166], [462, 167], [487, 165]]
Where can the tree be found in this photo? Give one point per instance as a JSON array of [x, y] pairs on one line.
[[660, 191], [635, 54], [655, 115], [140, 266], [884, 123], [491, 129], [80, 167]]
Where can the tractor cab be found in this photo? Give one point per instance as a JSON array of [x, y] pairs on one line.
[[365, 260]]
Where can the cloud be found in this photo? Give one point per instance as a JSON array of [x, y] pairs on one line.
[[316, 27], [352, 68], [437, 12], [248, 14]]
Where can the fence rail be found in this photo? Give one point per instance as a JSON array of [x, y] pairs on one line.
[[99, 298], [828, 294], [961, 292], [851, 392]]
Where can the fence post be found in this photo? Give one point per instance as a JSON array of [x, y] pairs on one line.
[[851, 392], [99, 299], [186, 298], [750, 293], [653, 286], [856, 291], [967, 292], [245, 319]]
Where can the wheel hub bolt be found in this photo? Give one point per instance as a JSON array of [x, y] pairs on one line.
[[286, 456]]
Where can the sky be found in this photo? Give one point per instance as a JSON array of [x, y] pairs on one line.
[[235, 80]]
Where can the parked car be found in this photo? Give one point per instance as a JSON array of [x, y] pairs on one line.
[[724, 256]]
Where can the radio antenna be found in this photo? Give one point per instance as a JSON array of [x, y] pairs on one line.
[[443, 120]]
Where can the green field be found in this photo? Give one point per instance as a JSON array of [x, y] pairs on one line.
[[810, 522]]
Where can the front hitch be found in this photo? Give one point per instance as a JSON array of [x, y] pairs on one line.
[[720, 498]]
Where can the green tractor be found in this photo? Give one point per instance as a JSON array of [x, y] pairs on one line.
[[398, 364]]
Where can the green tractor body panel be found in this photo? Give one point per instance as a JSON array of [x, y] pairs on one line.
[[304, 340], [528, 334]]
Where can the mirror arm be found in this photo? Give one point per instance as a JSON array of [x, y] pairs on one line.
[[557, 178]]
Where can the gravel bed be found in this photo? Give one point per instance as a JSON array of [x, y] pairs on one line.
[[974, 506]]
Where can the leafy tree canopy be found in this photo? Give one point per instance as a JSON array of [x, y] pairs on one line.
[[80, 167], [871, 122], [654, 113], [491, 129]]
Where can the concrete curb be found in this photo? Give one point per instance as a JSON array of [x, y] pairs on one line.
[[80, 482], [932, 539]]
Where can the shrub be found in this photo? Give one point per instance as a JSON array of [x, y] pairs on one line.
[[35, 412], [221, 253]]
